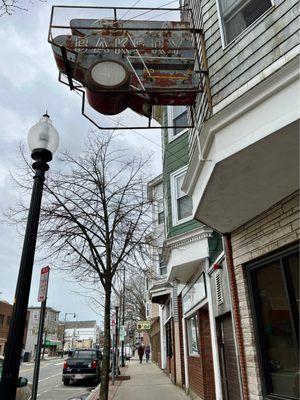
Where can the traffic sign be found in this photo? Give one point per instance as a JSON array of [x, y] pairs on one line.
[[122, 330], [44, 279]]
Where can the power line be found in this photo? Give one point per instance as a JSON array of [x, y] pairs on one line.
[[130, 9], [149, 140]]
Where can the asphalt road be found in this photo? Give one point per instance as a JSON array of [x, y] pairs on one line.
[[50, 384]]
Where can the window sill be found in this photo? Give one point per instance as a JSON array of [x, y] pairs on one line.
[[235, 41], [172, 138], [182, 221]]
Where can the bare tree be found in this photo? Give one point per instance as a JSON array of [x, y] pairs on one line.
[[95, 217], [8, 7]]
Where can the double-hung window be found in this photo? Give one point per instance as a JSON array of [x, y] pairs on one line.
[[178, 119], [182, 206], [237, 15], [163, 269]]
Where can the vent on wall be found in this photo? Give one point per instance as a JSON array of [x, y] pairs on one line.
[[219, 292]]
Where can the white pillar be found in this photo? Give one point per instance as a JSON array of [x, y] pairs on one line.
[[214, 343]]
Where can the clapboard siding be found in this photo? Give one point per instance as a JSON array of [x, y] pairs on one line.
[[270, 37], [175, 157], [255, 37], [260, 45], [251, 56]]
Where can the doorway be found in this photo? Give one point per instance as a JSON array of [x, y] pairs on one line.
[[228, 359]]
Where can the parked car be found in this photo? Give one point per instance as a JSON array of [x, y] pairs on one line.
[[24, 388], [84, 364]]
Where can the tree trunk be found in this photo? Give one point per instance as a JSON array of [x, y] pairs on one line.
[[106, 347]]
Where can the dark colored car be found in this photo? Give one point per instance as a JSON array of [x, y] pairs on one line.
[[85, 364]]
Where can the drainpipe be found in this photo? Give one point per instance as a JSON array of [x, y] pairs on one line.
[[236, 315]]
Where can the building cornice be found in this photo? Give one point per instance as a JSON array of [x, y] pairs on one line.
[[184, 239], [266, 84]]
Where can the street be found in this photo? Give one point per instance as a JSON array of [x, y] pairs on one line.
[[50, 383]]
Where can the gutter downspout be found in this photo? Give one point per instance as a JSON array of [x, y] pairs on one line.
[[236, 315]]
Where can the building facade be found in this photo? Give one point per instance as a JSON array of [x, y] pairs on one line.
[[185, 249], [228, 301], [80, 335], [51, 340], [5, 317], [243, 178]]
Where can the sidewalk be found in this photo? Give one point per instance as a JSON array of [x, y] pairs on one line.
[[147, 382]]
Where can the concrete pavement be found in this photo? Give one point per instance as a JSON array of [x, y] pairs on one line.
[[148, 382]]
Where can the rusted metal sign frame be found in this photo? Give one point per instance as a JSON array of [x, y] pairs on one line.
[[80, 89]]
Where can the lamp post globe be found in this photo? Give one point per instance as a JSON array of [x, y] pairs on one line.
[[43, 141]]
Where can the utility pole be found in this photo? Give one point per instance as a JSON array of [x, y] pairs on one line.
[[64, 332]]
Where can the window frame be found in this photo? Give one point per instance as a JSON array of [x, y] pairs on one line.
[[222, 29], [251, 267], [35, 315], [189, 334], [171, 117], [162, 266], [173, 187]]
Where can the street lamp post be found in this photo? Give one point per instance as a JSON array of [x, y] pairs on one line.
[[123, 317], [43, 142]]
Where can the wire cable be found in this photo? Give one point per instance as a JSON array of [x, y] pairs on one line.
[[129, 9], [149, 140]]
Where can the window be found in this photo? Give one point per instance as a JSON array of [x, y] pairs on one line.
[[1, 319], [8, 320], [275, 293], [182, 206], [236, 15], [35, 315], [162, 268], [160, 212], [193, 335], [178, 118]]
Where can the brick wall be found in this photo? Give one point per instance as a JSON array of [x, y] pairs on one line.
[[200, 368], [155, 340], [272, 230], [6, 311]]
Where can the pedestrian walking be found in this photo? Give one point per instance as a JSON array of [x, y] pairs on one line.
[[141, 352], [147, 353], [22, 354]]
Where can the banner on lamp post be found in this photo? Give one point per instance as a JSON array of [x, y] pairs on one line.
[[44, 279]]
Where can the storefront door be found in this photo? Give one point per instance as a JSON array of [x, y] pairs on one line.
[[228, 359], [275, 295]]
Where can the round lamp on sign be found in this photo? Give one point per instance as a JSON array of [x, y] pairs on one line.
[[108, 74]]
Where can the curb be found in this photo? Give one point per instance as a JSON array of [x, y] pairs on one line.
[[94, 395]]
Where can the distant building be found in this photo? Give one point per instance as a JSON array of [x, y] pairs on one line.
[[5, 316], [50, 330], [80, 334]]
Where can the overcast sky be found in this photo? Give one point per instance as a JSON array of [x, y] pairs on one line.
[[29, 86]]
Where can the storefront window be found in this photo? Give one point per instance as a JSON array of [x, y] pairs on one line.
[[276, 294], [193, 335]]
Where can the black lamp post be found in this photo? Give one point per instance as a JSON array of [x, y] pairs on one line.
[[43, 141]]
